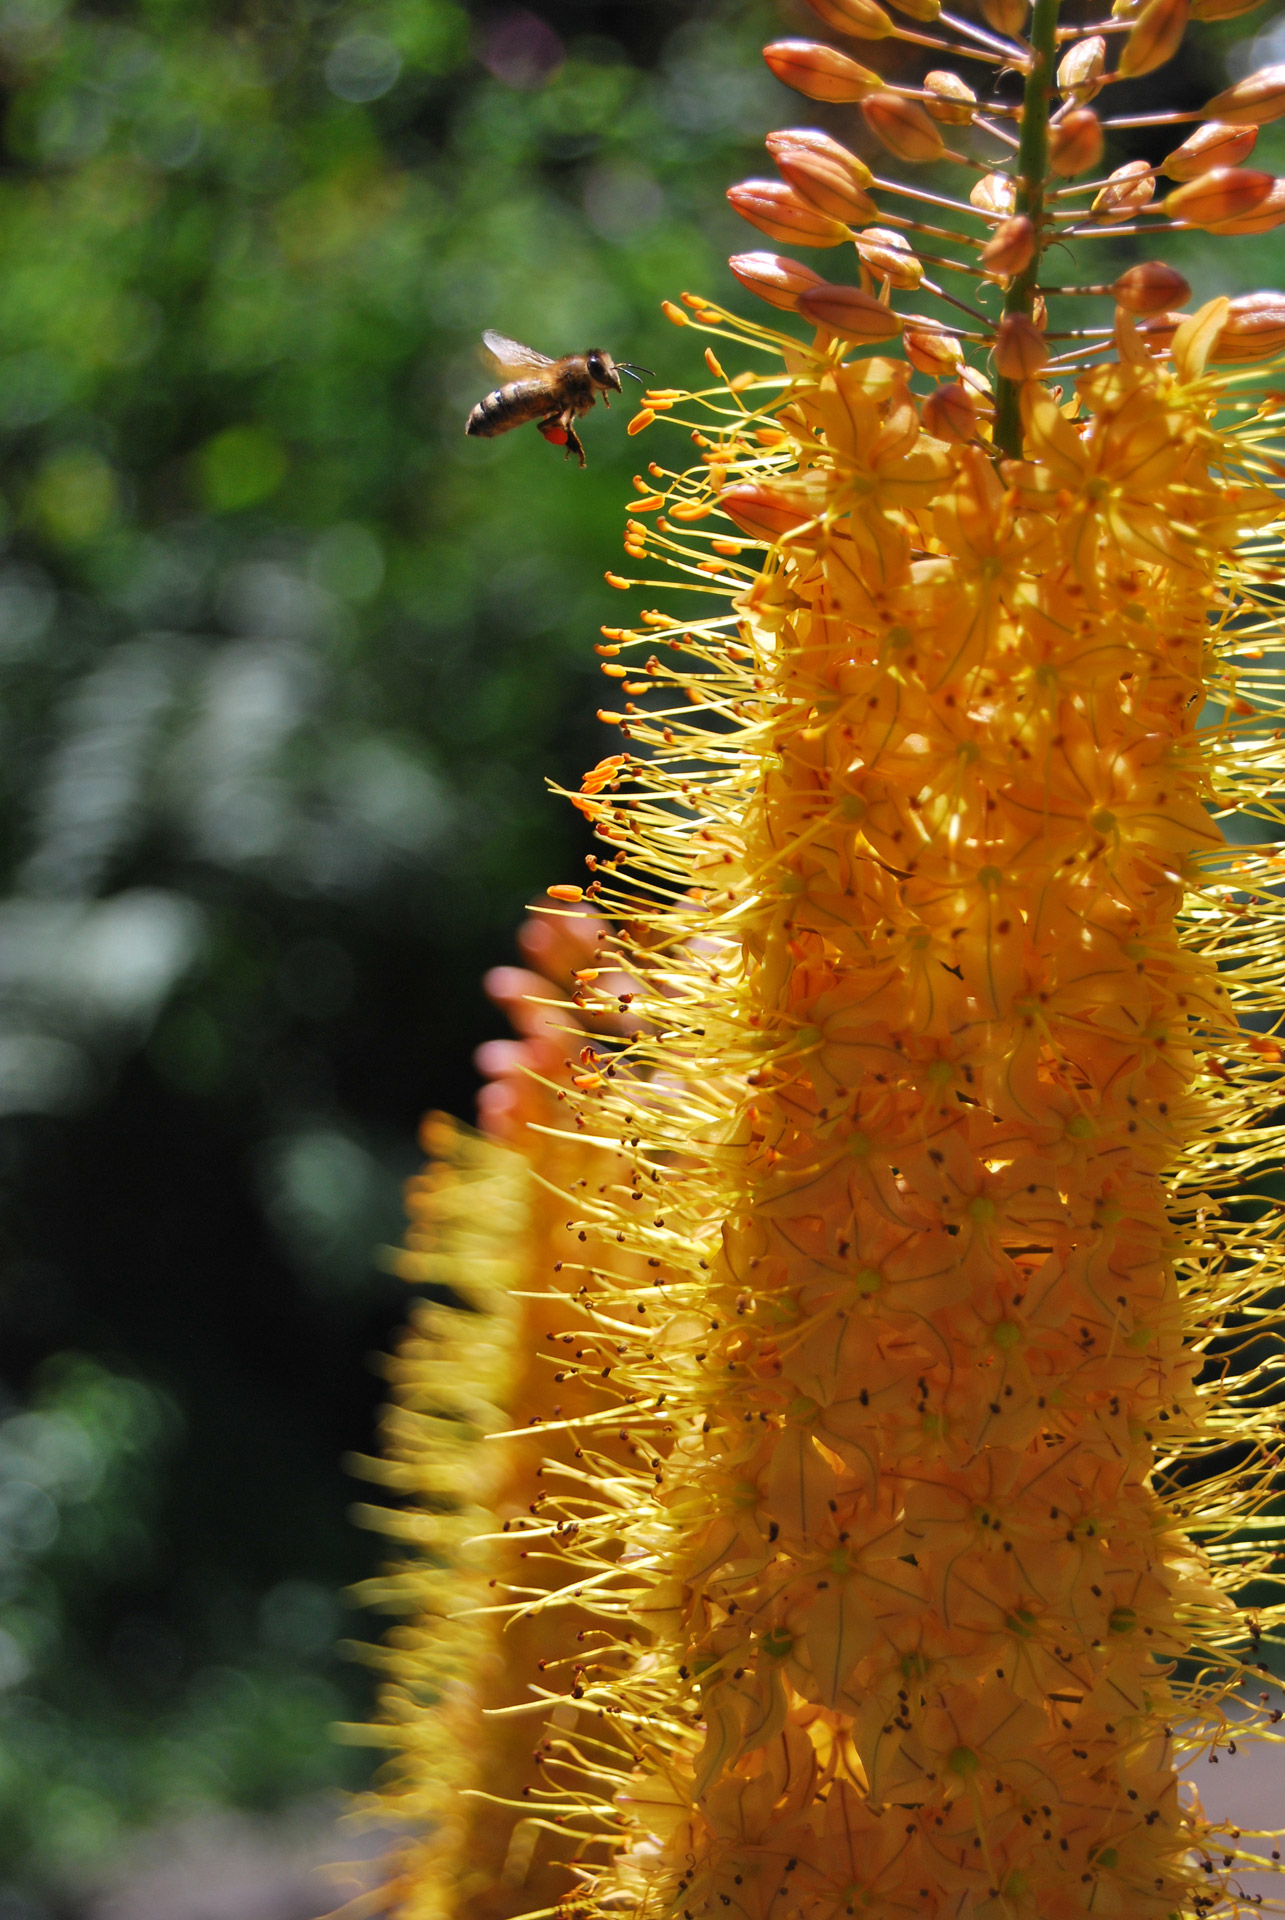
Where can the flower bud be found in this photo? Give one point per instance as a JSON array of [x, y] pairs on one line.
[[930, 349], [1021, 350], [823, 73], [994, 193], [952, 102], [1224, 193], [765, 513], [890, 257], [1006, 16], [1010, 248], [1150, 287], [773, 278], [1079, 73], [1215, 145], [859, 19], [1254, 328], [777, 210], [903, 126], [823, 173], [1253, 101], [1075, 143], [1266, 216], [1160, 328], [1154, 38], [925, 10], [949, 414], [1128, 190], [850, 313], [1269, 213]]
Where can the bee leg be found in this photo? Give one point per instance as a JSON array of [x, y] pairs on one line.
[[573, 440]]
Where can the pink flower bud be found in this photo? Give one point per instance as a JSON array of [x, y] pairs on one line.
[[823, 173], [930, 349], [1215, 145], [783, 214], [1253, 101], [889, 256], [1079, 73], [953, 103], [1269, 213], [773, 278], [1075, 143], [1150, 287], [1021, 350], [1129, 189], [1154, 37], [852, 314], [860, 19], [1254, 328], [994, 193], [949, 414], [903, 126], [823, 73], [1011, 247], [1224, 193]]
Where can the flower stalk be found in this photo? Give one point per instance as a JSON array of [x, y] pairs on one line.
[[1032, 177], [925, 1296]]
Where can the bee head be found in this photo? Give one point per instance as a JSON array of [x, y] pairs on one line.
[[602, 369]]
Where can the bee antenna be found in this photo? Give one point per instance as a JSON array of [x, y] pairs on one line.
[[635, 373]]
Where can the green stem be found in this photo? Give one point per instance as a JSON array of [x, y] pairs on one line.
[[1032, 179]]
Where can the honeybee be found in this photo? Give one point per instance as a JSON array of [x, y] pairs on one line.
[[553, 393]]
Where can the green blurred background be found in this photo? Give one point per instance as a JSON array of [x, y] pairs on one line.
[[286, 662]]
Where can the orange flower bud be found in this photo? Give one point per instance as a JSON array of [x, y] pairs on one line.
[[1224, 193], [1075, 143], [1150, 287], [823, 73], [1253, 101], [949, 414], [1160, 328], [1269, 213], [859, 19], [1154, 38], [1021, 350], [1215, 145], [1079, 73], [773, 278], [889, 255], [1010, 248], [953, 103], [1129, 189], [824, 174], [782, 214], [994, 193], [903, 126], [1254, 328], [1006, 16], [764, 513], [850, 313], [930, 349]]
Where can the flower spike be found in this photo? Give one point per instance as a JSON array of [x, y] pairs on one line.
[[906, 1512]]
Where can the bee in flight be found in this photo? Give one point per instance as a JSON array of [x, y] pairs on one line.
[[553, 393]]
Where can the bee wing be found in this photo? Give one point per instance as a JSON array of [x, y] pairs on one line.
[[510, 356]]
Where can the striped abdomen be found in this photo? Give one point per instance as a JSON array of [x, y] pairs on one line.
[[511, 406]]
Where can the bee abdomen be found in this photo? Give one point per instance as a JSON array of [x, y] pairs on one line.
[[510, 406]]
